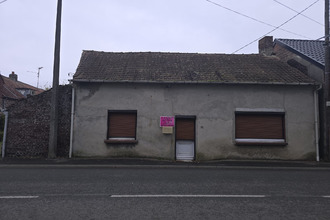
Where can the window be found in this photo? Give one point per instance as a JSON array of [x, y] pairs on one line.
[[121, 127], [26, 92], [260, 128]]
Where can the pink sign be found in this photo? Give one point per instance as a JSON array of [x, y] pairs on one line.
[[166, 121]]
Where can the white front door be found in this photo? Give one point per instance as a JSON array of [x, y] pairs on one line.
[[185, 138]]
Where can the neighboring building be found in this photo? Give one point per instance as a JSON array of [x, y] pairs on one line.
[[224, 106], [11, 90], [308, 56], [305, 55]]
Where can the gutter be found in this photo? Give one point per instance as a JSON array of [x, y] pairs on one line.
[[4, 135], [72, 118], [316, 121], [193, 82]]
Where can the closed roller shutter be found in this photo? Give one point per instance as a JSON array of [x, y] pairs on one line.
[[185, 129], [259, 126], [122, 124]]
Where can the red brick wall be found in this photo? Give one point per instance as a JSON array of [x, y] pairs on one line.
[[283, 54]]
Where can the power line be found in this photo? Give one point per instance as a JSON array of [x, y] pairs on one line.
[[3, 1], [276, 27], [323, 37], [254, 19], [298, 12]]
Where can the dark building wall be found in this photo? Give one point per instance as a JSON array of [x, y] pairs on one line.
[[28, 125], [6, 102]]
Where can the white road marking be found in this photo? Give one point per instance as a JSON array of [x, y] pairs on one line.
[[155, 196], [187, 196], [19, 197]]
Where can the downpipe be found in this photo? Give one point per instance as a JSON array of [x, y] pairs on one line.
[[72, 118], [316, 121], [4, 135]]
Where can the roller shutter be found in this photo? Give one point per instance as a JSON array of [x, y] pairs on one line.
[[122, 125], [259, 126], [185, 129]]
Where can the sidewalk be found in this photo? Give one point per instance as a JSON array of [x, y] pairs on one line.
[[116, 162]]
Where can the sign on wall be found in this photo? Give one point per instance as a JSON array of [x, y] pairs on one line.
[[167, 121]]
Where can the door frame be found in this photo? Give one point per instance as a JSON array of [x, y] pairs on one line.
[[192, 117]]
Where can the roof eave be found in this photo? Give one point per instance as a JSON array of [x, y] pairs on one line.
[[194, 82]]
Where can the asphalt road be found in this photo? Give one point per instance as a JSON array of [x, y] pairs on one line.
[[101, 192]]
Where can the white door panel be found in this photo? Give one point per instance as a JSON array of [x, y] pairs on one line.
[[185, 150]]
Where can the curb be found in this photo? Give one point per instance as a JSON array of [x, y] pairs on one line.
[[143, 163]]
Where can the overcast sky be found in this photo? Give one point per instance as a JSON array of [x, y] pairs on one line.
[[27, 29]]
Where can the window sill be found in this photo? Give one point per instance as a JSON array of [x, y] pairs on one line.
[[120, 141], [260, 142]]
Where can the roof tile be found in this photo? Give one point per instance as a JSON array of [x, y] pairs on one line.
[[185, 67]]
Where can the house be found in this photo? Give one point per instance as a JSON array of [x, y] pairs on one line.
[[11, 90], [306, 55], [190, 106]]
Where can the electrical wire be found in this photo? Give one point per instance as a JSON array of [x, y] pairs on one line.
[[254, 19], [323, 37], [298, 12], [3, 1], [276, 27]]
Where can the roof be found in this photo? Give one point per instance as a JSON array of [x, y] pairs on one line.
[[313, 50], [9, 89], [159, 67]]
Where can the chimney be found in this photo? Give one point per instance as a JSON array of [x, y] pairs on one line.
[[13, 76], [266, 46]]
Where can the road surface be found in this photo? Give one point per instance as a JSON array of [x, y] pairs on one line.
[[151, 192]]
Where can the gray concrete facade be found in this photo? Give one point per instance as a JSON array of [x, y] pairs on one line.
[[214, 107]]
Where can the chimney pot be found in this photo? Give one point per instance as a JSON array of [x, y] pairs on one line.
[[13, 76]]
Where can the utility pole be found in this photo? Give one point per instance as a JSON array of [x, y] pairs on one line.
[[38, 74], [326, 84], [54, 99]]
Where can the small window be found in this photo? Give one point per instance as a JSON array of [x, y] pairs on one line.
[[121, 127], [259, 128]]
